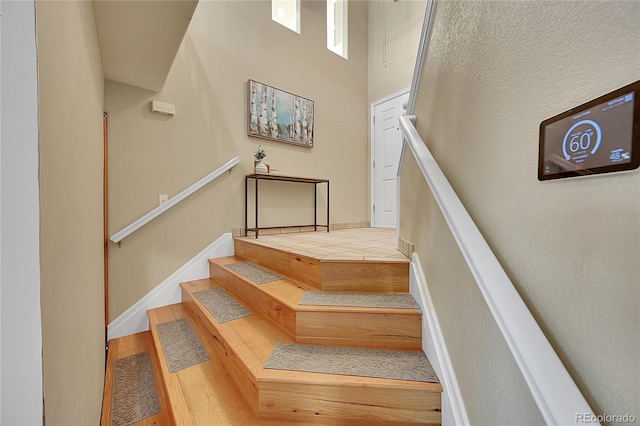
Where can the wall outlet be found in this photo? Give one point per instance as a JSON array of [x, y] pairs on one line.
[[162, 198]]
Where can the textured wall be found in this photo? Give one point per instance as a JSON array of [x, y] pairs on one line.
[[71, 87], [494, 72], [228, 43]]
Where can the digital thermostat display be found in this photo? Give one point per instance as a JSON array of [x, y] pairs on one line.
[[598, 137]]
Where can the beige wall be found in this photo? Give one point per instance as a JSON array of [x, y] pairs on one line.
[[394, 35], [228, 43], [71, 86], [494, 72]]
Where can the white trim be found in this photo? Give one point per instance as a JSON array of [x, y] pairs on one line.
[[434, 346], [139, 223], [423, 48], [21, 381], [554, 391], [389, 97], [371, 156], [135, 320], [0, 214]]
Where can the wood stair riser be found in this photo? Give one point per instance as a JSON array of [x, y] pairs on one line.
[[324, 325], [329, 275], [367, 276], [382, 331], [285, 400], [301, 268], [242, 376]]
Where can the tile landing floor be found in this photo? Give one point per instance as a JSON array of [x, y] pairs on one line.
[[345, 244]]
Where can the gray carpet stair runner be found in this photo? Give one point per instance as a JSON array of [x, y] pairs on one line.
[[254, 273], [222, 306], [134, 390], [383, 364], [359, 299], [180, 344]]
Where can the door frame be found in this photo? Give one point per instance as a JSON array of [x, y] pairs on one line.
[[372, 152]]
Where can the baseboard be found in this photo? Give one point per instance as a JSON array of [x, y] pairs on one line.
[[433, 345], [134, 319]]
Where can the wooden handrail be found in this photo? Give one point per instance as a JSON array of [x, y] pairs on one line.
[[105, 215], [134, 226]]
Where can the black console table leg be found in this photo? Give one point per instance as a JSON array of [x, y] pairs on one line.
[[256, 180], [315, 206], [327, 206], [246, 207]]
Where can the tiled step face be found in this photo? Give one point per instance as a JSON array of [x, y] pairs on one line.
[[329, 325], [243, 345], [331, 274]]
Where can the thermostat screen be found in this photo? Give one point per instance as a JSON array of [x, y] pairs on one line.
[[594, 138]]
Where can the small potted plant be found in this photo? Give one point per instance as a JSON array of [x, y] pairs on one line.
[[259, 155]]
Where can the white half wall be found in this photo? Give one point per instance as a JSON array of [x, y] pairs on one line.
[[20, 323], [135, 320], [433, 345]]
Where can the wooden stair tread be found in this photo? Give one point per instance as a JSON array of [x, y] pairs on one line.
[[203, 394], [123, 347], [256, 336], [383, 328], [289, 292], [286, 290]]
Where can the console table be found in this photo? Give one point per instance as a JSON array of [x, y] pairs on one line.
[[280, 178]]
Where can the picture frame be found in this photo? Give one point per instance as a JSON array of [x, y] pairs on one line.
[[281, 116]]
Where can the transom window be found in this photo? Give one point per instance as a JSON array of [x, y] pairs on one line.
[[287, 13], [337, 27]]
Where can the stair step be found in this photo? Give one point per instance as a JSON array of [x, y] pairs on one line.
[[384, 328], [243, 345], [204, 394], [123, 347], [330, 274]]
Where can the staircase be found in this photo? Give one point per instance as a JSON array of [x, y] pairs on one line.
[[233, 388]]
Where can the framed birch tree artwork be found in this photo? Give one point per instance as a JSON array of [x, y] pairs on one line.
[[280, 116]]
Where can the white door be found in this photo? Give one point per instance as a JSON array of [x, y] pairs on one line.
[[386, 147]]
